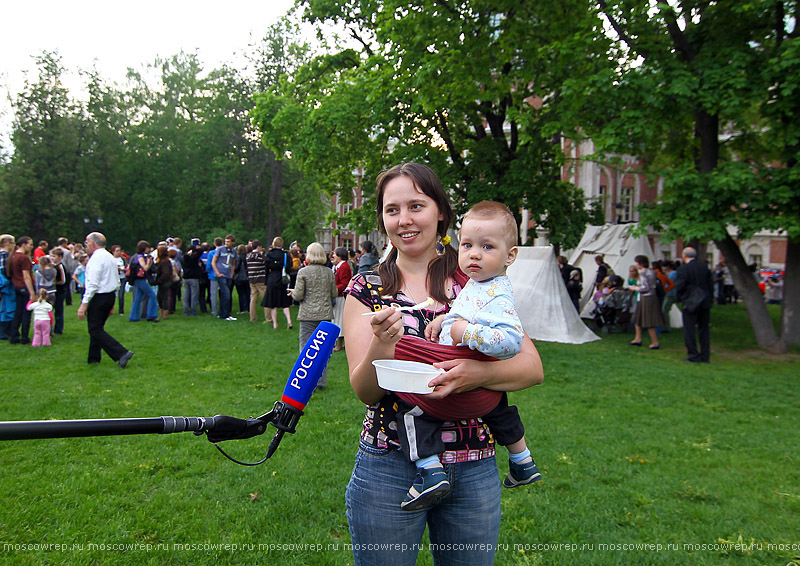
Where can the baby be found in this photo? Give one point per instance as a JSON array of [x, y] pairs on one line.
[[483, 317]]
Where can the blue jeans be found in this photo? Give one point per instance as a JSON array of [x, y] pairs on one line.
[[225, 304], [213, 287], [143, 290], [462, 526], [121, 296], [191, 296]]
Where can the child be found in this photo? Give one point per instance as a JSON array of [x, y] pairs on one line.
[[574, 288], [42, 319], [484, 318], [79, 276], [46, 278]]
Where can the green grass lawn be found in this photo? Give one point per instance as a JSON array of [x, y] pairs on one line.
[[637, 449]]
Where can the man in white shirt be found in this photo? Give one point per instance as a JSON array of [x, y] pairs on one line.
[[102, 282]]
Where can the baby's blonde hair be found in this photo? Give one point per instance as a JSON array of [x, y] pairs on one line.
[[493, 209]]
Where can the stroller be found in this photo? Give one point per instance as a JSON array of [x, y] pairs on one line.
[[614, 312]]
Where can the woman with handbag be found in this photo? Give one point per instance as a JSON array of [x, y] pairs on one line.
[[648, 309], [314, 289], [277, 281], [141, 266]]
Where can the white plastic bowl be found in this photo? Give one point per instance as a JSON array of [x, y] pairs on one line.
[[405, 376]]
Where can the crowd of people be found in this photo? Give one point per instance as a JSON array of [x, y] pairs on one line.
[[202, 275]]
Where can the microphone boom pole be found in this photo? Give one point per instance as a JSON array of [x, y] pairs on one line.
[[284, 415]]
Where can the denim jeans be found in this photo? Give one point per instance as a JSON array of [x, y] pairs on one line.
[[143, 290], [225, 304], [213, 290], [458, 523], [191, 296], [20, 329], [121, 296]]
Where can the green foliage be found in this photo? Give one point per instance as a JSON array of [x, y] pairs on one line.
[[173, 151], [705, 71], [472, 89]]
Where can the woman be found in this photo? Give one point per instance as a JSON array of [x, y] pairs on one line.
[[648, 310], [164, 271], [414, 211], [142, 262], [241, 280], [315, 289], [342, 273], [276, 297], [369, 257]]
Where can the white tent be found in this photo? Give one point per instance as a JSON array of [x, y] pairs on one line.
[[618, 248], [543, 303]]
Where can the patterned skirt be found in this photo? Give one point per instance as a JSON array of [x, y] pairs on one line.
[[648, 312]]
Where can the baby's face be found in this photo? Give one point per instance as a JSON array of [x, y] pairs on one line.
[[483, 251]]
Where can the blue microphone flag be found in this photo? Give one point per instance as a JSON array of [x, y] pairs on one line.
[[310, 364]]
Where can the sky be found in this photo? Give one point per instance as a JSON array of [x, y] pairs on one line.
[[116, 35]]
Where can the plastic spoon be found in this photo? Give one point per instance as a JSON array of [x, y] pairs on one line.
[[427, 302]]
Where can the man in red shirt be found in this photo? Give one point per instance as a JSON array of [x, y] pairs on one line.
[[40, 250], [19, 268]]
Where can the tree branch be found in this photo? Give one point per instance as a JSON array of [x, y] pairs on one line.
[[679, 38], [358, 38], [447, 7], [444, 131], [620, 31]]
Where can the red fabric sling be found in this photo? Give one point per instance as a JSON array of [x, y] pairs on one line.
[[469, 404]]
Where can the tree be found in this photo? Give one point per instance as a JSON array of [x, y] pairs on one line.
[[41, 195], [707, 93], [471, 88]]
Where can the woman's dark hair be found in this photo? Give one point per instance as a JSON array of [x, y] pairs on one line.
[[141, 247], [642, 260], [162, 254], [368, 246], [442, 266], [341, 253]]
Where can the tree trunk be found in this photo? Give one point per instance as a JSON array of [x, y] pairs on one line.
[[275, 183], [747, 287], [790, 315]]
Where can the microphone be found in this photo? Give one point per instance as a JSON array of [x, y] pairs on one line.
[[302, 381]]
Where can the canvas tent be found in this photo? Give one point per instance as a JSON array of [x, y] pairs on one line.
[[618, 248], [542, 301]]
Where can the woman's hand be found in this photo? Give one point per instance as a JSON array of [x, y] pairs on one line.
[[371, 338], [387, 325], [514, 374], [459, 376]]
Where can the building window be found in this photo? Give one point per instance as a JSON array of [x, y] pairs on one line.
[[626, 196], [755, 258], [666, 255]]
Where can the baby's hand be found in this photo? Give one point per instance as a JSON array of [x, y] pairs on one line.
[[434, 328]]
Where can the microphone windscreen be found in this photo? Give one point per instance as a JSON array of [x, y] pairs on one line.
[[310, 364]]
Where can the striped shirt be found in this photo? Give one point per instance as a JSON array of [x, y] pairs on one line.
[[256, 267]]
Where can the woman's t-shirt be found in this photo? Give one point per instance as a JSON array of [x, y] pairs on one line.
[[465, 440]]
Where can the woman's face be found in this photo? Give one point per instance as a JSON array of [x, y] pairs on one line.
[[410, 217]]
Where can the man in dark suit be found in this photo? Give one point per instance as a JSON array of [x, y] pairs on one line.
[[694, 288]]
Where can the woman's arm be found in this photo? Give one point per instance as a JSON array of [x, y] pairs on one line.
[[145, 261], [520, 372], [299, 291], [369, 338]]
